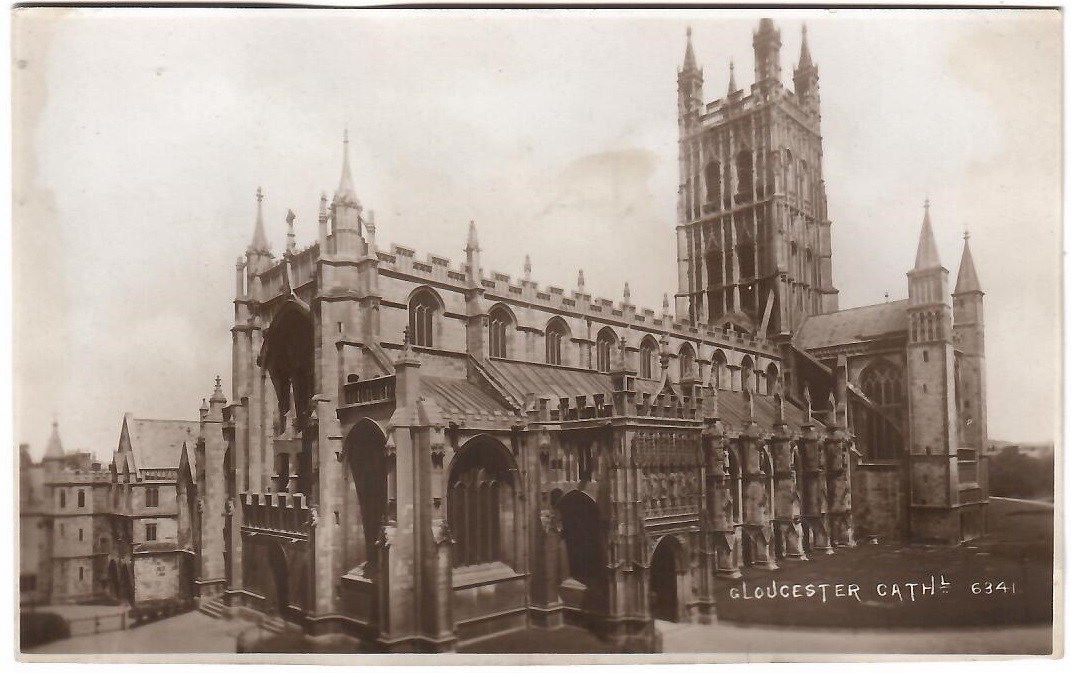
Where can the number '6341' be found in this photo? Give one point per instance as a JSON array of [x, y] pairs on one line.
[[990, 588]]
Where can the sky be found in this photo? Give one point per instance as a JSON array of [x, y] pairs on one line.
[[141, 137]]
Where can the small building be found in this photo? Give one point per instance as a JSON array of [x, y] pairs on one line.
[[145, 562]]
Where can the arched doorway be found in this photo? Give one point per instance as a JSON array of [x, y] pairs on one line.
[[584, 535], [278, 584], [665, 604], [365, 449]]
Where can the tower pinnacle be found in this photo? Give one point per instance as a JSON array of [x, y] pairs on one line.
[[260, 239], [805, 51], [927, 257], [967, 279], [732, 78], [54, 449], [346, 193], [689, 53]]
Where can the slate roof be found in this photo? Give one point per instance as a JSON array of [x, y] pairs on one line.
[[852, 325], [460, 396], [156, 444], [521, 379]]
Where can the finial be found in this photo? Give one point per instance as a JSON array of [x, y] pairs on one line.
[[345, 135], [628, 294], [219, 382], [926, 204], [473, 243], [260, 194], [807, 398], [688, 32], [580, 280], [886, 296], [966, 233], [527, 268], [665, 303], [405, 336]]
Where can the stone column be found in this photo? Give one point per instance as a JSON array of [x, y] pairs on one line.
[[814, 500], [757, 523], [839, 488], [786, 495]]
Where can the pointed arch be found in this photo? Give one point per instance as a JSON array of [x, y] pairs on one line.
[[686, 362], [771, 379], [481, 504], [648, 357], [364, 451], [604, 346], [425, 310], [719, 371], [557, 334], [747, 373], [501, 323]]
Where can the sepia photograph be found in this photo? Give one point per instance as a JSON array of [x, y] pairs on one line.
[[662, 336]]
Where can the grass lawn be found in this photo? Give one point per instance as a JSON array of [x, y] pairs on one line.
[[1003, 578]]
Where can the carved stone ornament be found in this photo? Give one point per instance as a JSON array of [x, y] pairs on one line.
[[228, 507], [386, 536], [550, 521], [441, 533], [200, 504], [314, 517]]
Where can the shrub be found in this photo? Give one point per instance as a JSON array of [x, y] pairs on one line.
[[38, 628]]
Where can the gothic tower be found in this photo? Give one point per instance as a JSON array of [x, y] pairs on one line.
[[933, 433], [968, 335], [753, 237]]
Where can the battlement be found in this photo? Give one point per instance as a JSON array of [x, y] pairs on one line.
[[403, 260]]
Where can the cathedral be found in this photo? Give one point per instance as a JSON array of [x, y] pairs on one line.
[[420, 453]]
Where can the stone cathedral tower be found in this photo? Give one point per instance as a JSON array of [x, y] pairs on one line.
[[753, 236]]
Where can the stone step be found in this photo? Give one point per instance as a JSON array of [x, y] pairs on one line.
[[213, 608]]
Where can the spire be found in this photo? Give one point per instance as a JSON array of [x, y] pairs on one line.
[[346, 193], [291, 241], [732, 78], [805, 52], [260, 239], [967, 280], [473, 242], [927, 257], [689, 53], [54, 449]]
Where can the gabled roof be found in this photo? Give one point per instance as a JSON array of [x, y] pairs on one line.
[[852, 325], [460, 396], [154, 444], [522, 379]]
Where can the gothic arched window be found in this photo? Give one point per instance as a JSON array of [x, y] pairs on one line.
[[747, 374], [719, 371], [713, 180], [687, 362], [771, 379], [557, 332], [648, 353], [882, 382], [423, 308], [498, 326], [604, 345], [480, 505], [744, 177]]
